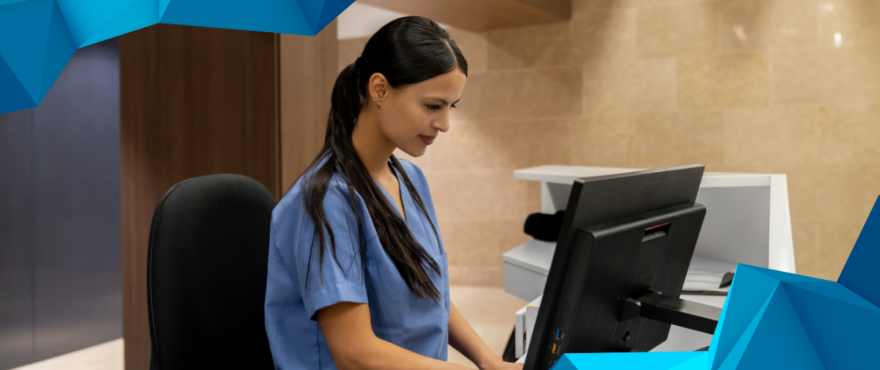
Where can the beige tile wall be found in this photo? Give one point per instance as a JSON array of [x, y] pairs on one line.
[[781, 86]]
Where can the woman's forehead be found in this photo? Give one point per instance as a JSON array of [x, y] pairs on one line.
[[447, 85]]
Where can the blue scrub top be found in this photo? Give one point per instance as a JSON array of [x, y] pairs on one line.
[[294, 290]]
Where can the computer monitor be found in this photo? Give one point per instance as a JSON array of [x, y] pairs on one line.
[[619, 265]]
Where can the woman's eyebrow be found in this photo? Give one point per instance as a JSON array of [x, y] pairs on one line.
[[443, 101]]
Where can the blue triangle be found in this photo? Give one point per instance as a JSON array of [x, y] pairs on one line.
[[777, 340], [748, 294], [332, 9], [163, 5], [24, 50], [730, 359], [780, 275], [699, 362], [281, 16], [140, 14], [13, 96], [860, 272], [59, 50], [564, 363], [633, 360], [311, 10], [87, 17], [846, 336], [835, 291]]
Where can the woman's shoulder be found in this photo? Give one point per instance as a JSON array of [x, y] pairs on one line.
[[294, 199]]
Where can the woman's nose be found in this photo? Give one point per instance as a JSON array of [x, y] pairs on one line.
[[442, 124]]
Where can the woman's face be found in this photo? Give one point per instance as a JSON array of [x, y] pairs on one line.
[[412, 116]]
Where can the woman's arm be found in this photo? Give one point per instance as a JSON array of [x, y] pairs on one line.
[[353, 344], [464, 339]]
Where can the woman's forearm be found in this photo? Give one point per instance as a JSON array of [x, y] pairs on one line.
[[354, 346], [464, 339], [384, 355]]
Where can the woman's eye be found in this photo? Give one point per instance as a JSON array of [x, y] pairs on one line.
[[452, 106], [433, 107]]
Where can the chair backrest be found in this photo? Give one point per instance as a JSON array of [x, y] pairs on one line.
[[206, 275]]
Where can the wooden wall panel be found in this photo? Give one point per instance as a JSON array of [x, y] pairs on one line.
[[308, 72], [194, 101]]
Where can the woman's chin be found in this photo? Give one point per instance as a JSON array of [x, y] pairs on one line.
[[415, 152]]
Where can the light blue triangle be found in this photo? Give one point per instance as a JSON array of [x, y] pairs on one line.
[[140, 14], [730, 359], [633, 361], [779, 275], [748, 295], [282, 16], [87, 17]]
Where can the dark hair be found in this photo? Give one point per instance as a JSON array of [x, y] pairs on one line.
[[407, 50]]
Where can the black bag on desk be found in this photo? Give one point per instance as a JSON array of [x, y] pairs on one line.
[[544, 227]]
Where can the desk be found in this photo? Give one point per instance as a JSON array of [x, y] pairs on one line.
[[747, 221]]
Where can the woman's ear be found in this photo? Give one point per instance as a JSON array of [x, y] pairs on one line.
[[378, 86]]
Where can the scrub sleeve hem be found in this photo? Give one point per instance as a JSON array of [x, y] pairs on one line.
[[330, 294]]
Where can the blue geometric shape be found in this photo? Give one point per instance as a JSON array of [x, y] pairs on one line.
[[840, 330], [777, 320], [748, 306], [860, 274], [38, 37], [775, 339], [251, 15], [632, 361]]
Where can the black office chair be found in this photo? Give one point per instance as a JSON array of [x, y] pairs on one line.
[[206, 275]]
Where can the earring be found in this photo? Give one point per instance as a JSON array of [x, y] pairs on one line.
[[376, 101]]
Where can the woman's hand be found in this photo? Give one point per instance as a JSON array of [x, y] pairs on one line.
[[501, 365]]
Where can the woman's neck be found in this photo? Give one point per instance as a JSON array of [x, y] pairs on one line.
[[371, 145]]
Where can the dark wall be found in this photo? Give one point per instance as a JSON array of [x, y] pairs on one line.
[[60, 275]]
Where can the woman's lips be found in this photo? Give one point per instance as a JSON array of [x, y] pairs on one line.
[[427, 139]]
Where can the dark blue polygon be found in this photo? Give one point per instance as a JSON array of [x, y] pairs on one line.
[[13, 96], [843, 334], [59, 50], [24, 27], [836, 291], [860, 274]]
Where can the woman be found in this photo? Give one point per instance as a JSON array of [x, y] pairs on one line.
[[357, 271]]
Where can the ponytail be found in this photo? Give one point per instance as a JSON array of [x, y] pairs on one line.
[[407, 50]]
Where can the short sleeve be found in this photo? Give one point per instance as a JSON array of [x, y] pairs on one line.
[[333, 280]]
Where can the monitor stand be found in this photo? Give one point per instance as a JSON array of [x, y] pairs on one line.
[[672, 310]]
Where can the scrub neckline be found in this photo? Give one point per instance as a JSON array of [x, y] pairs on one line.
[[405, 215]]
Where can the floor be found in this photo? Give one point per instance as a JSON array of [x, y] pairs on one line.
[[489, 310]]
